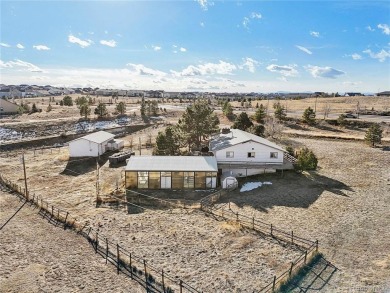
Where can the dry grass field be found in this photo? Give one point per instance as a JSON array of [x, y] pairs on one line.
[[344, 204]]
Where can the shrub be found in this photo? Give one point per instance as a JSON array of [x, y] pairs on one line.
[[373, 135], [306, 160]]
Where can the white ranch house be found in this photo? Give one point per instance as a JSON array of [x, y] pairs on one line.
[[94, 144], [240, 154]]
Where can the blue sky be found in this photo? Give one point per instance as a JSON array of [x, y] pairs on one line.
[[221, 46]]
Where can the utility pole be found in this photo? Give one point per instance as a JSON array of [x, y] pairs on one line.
[[25, 177], [139, 145]]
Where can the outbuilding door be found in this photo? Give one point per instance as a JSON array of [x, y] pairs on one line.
[[166, 180]]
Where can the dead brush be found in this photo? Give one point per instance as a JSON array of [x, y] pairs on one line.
[[244, 242], [231, 226]]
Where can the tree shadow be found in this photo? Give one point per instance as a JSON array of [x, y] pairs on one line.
[[80, 166], [292, 189]]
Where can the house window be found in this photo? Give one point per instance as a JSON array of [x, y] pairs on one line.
[[143, 178], [273, 155], [230, 154], [251, 154]]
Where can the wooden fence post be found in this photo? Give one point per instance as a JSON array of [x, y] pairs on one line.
[[117, 258], [106, 250], [131, 267], [291, 268], [162, 280], [272, 231], [237, 216], [66, 217], [273, 284], [305, 256], [253, 223], [146, 274], [316, 245], [292, 237], [229, 205], [96, 241], [181, 286], [52, 211]]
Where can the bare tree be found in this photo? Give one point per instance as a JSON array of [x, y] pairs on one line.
[[273, 128], [326, 110]]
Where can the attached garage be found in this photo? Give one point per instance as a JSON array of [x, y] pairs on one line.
[[171, 172]]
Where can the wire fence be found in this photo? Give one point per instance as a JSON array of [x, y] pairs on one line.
[[153, 279]]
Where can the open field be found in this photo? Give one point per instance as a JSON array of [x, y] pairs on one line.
[[344, 205], [36, 256]]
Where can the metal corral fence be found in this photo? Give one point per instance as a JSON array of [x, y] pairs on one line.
[[154, 280]]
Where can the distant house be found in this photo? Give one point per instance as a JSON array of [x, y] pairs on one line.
[[94, 144], [8, 108], [240, 153], [171, 172], [384, 94], [353, 94]]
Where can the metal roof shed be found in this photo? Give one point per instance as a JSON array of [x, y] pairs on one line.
[[91, 145]]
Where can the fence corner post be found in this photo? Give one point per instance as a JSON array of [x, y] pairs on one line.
[[291, 268], [316, 245], [117, 258], [274, 284]]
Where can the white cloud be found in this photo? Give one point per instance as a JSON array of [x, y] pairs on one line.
[[249, 64], [285, 70], [207, 69], [247, 19], [22, 65], [140, 69], [41, 47], [109, 43], [315, 34], [369, 28], [351, 83], [381, 56], [19, 46], [5, 45], [325, 72], [202, 24], [204, 4], [304, 49], [80, 42], [256, 15], [183, 49], [385, 28], [156, 48], [356, 56]]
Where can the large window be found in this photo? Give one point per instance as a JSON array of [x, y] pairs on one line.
[[189, 180], [143, 179], [273, 155], [251, 154], [229, 154]]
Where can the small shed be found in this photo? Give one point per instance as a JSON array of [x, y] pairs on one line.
[[94, 144], [171, 172]]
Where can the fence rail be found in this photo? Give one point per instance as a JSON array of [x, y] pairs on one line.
[[308, 247], [154, 280]]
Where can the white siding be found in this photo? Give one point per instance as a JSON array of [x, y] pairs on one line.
[[84, 148], [262, 153]]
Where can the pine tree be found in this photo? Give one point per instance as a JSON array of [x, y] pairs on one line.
[[85, 110], [143, 107], [306, 160], [227, 110], [121, 108], [374, 135], [309, 116], [260, 114], [167, 143], [101, 110], [49, 108], [242, 122], [280, 111]]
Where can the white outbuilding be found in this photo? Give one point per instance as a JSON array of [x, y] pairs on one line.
[[94, 144]]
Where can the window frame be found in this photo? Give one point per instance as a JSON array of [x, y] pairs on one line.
[[229, 152], [273, 155], [249, 155]]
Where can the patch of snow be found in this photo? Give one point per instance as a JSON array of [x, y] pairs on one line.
[[253, 185]]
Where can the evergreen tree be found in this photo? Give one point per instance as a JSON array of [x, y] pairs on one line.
[[67, 101], [341, 120], [121, 108], [280, 111], [306, 160], [101, 110], [257, 129], [373, 135], [198, 122], [81, 100], [260, 114], [49, 108], [242, 122], [227, 110], [143, 107], [167, 143], [309, 116], [85, 110], [34, 108]]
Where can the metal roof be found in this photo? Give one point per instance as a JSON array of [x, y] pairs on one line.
[[172, 163], [237, 136], [97, 137]]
